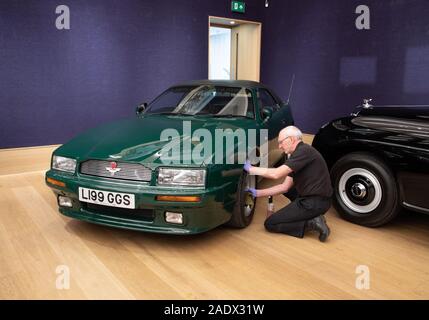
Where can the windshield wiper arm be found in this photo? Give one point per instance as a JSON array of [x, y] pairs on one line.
[[173, 113], [228, 116], [186, 114]]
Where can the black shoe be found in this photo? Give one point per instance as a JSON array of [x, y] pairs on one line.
[[319, 224]]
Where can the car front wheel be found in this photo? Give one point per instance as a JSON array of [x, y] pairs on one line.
[[244, 208], [365, 190]]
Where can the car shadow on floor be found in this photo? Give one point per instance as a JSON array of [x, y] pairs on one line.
[[114, 237], [222, 235], [408, 218]]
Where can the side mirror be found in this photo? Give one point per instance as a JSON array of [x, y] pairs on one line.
[[141, 108], [267, 113]]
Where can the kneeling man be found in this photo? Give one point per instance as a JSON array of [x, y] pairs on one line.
[[307, 184]]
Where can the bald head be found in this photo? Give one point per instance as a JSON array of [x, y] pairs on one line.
[[290, 131], [289, 138]]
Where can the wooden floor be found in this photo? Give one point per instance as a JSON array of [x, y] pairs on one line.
[[107, 263]]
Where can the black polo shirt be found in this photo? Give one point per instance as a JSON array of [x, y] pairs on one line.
[[310, 172]]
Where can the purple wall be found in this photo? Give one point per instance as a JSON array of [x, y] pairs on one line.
[[336, 65], [54, 84]]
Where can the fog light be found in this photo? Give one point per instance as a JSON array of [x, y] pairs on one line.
[[65, 201], [174, 217]]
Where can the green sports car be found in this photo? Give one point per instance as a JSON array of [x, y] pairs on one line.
[[175, 167]]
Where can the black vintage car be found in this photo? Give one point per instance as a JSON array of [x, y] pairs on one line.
[[379, 162]]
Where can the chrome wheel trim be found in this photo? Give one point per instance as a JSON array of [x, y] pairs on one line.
[[358, 190], [249, 201], [345, 198]]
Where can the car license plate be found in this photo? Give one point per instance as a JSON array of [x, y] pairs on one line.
[[105, 198]]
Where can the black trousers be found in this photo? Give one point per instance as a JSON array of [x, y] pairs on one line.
[[292, 218]]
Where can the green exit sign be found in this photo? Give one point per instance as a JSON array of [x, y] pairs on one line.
[[238, 6]]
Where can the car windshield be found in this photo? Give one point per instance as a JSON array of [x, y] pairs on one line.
[[210, 100]]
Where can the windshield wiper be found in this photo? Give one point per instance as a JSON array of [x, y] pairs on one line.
[[173, 113], [186, 114], [228, 116], [203, 114]]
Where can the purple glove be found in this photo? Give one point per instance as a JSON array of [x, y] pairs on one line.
[[252, 191], [247, 166]]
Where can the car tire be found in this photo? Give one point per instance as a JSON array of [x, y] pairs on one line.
[[280, 162], [365, 190], [245, 204]]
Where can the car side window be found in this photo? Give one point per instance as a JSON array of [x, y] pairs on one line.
[[266, 99]]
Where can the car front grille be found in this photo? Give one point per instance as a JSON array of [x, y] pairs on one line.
[[127, 171], [122, 213]]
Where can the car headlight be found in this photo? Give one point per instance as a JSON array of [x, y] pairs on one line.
[[182, 177], [63, 164]]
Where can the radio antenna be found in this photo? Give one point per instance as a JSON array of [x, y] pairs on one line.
[[290, 89]]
